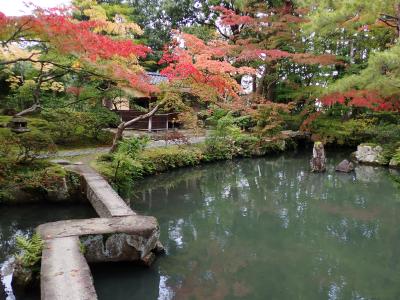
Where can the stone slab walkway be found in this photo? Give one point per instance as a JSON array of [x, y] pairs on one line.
[[65, 274], [118, 235], [101, 195], [138, 225]]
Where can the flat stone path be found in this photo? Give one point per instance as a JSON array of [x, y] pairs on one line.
[[101, 195], [139, 225], [102, 150], [65, 274]]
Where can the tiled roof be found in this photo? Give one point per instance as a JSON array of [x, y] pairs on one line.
[[156, 78]]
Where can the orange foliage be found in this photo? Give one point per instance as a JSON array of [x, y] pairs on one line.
[[206, 64], [63, 35]]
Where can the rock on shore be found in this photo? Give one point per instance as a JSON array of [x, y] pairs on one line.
[[370, 154]]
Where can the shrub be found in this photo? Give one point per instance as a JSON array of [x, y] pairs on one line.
[[269, 119], [333, 130], [248, 145], [23, 148], [162, 159], [215, 115], [245, 122], [396, 155], [70, 127], [33, 144], [124, 160], [383, 134], [220, 148], [293, 122], [8, 154], [125, 168], [133, 146]]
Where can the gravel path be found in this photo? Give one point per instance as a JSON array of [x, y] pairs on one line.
[[100, 150]]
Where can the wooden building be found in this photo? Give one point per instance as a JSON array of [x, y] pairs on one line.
[[122, 106]]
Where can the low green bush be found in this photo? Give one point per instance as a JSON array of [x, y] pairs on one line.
[[24, 147], [20, 168], [32, 145], [336, 131], [131, 161], [293, 121], [382, 128], [71, 128], [220, 148], [125, 162], [162, 159]]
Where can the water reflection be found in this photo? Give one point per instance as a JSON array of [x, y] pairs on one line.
[[269, 229]]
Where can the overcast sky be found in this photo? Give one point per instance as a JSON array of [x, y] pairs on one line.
[[17, 7]]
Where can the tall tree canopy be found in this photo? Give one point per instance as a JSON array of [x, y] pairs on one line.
[[51, 38]]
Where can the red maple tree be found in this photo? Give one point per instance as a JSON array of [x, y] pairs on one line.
[[55, 31], [362, 99]]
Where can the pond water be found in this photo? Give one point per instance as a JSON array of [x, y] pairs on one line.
[[266, 229], [253, 229], [21, 220]]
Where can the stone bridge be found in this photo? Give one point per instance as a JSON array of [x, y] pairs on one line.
[[119, 234]]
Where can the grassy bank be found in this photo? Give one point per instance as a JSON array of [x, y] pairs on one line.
[[132, 161]]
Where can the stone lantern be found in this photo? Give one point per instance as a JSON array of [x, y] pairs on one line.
[[18, 125]]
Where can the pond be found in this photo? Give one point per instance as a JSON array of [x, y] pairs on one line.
[[267, 229], [253, 229], [21, 220]]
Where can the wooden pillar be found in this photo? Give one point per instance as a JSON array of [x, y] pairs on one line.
[[166, 123], [149, 128]]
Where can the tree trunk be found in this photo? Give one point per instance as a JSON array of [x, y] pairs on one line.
[[267, 86], [31, 109], [117, 137], [120, 130], [288, 7], [254, 84], [398, 19]]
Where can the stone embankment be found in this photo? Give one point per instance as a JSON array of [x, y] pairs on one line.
[[118, 235]]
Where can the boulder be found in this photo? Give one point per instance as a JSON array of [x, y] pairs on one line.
[[345, 166], [394, 163], [318, 161], [370, 154]]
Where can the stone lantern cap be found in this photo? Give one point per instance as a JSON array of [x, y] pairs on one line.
[[18, 124]]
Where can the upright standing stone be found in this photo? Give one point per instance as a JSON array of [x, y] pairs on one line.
[[318, 161]]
